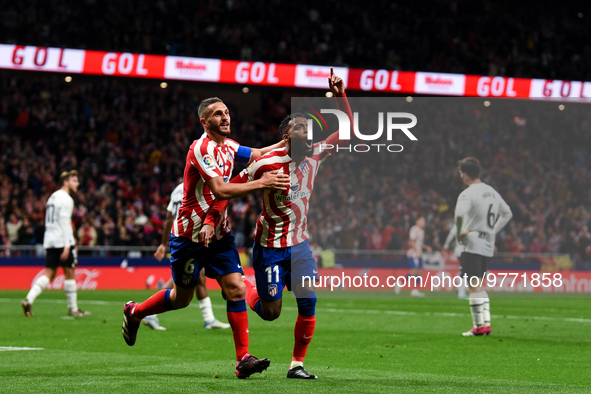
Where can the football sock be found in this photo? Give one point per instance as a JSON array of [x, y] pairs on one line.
[[486, 310], [158, 303], [37, 288], [295, 364], [476, 305], [206, 311], [252, 298], [238, 319], [462, 290], [303, 332], [71, 294]]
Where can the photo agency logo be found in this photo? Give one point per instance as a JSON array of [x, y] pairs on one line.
[[388, 121]]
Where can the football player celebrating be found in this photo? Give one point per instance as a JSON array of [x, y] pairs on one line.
[[281, 253], [209, 165]]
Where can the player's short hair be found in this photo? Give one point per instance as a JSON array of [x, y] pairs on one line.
[[64, 176], [206, 103], [285, 122], [470, 166]]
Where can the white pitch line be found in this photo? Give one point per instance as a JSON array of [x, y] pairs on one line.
[[14, 349], [358, 311]]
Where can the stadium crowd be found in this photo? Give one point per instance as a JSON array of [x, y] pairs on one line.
[[520, 39], [128, 140]]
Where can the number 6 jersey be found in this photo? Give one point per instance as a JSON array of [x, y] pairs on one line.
[[58, 221], [484, 213]]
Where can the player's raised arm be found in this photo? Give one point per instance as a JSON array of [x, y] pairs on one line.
[[225, 191], [337, 87]]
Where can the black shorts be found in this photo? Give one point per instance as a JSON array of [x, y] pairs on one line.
[[473, 265], [52, 258]]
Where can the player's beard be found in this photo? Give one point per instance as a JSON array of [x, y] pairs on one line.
[[218, 130]]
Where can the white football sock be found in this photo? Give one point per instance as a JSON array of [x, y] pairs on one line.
[[37, 288], [206, 311], [476, 306], [296, 364], [486, 310], [71, 294]]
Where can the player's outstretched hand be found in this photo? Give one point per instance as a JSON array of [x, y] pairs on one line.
[[206, 234], [274, 180], [159, 254], [336, 84]]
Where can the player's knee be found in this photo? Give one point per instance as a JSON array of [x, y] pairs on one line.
[[271, 314], [235, 291]]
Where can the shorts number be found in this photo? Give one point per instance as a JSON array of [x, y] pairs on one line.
[[269, 270], [189, 266]]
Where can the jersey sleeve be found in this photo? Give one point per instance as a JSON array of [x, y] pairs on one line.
[[505, 215], [205, 162], [170, 207], [450, 236], [463, 205]]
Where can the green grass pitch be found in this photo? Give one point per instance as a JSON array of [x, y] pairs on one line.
[[360, 345]]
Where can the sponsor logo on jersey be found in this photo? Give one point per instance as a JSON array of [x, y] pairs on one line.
[[305, 167], [208, 161], [295, 188], [291, 197], [272, 289]]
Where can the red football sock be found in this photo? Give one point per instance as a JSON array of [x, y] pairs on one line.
[[239, 323], [151, 306], [304, 329], [252, 296]]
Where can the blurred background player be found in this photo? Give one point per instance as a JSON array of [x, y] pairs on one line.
[[59, 245], [480, 214], [281, 252], [176, 198], [451, 239], [208, 168], [414, 253]]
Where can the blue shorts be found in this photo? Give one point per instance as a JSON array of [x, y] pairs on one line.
[[415, 262], [275, 268], [188, 258]]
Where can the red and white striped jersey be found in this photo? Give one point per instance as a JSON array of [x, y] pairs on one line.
[[283, 222], [206, 160], [416, 238]]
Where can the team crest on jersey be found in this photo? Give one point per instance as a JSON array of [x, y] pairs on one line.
[[305, 167], [226, 179], [272, 290]]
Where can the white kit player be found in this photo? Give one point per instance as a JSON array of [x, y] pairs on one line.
[[59, 245], [414, 253], [480, 214], [172, 210]]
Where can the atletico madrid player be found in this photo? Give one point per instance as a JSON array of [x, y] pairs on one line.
[[281, 252], [209, 164]]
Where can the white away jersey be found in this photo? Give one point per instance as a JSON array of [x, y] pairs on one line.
[[416, 238], [481, 207], [176, 198], [58, 221]]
